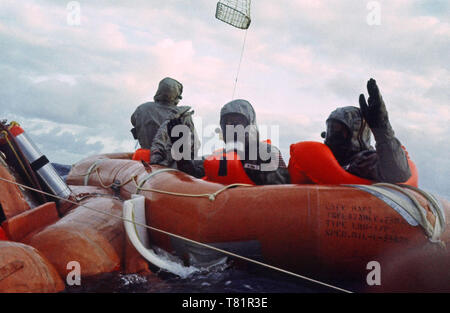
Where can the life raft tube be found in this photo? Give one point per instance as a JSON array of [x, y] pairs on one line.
[[12, 201], [41, 244], [313, 162], [93, 239], [22, 226], [327, 232], [25, 269]]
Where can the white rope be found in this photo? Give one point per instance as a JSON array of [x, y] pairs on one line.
[[91, 168], [139, 188], [184, 238]]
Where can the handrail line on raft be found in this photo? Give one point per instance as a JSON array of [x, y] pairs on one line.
[[184, 238], [210, 196]]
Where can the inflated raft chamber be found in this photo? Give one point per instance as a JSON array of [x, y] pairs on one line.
[[55, 224], [91, 238], [25, 269], [22, 267], [329, 232]]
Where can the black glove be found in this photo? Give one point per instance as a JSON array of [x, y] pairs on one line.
[[375, 113], [170, 125]]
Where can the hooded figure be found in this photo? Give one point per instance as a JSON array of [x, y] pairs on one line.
[[270, 169], [239, 113], [348, 137], [148, 117], [347, 133], [263, 163]]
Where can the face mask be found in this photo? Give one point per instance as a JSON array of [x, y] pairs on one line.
[[233, 120], [338, 140], [247, 138]]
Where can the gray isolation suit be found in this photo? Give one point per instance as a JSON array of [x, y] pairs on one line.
[[149, 116], [262, 172], [388, 163]]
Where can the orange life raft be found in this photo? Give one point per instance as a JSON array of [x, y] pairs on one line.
[[25, 269], [22, 267], [41, 244], [327, 232]]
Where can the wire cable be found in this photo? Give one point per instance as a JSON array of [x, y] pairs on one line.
[[239, 65]]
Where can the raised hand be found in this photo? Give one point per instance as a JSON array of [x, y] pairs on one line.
[[375, 112]]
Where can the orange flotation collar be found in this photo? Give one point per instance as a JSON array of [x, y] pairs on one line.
[[225, 168], [141, 155], [313, 162]]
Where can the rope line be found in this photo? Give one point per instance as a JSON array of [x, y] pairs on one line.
[[184, 238], [239, 65], [210, 196]]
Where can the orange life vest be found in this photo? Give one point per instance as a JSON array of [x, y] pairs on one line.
[[313, 162], [225, 168], [142, 155]]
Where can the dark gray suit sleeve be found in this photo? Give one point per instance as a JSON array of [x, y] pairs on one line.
[[278, 177], [160, 149], [392, 164], [192, 167]]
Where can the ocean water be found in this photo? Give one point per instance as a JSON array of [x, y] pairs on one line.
[[223, 279]]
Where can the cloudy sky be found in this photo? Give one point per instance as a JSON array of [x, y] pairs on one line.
[[73, 86]]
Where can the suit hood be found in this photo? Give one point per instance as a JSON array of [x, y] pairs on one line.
[[239, 106], [244, 108], [169, 91], [352, 118]]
